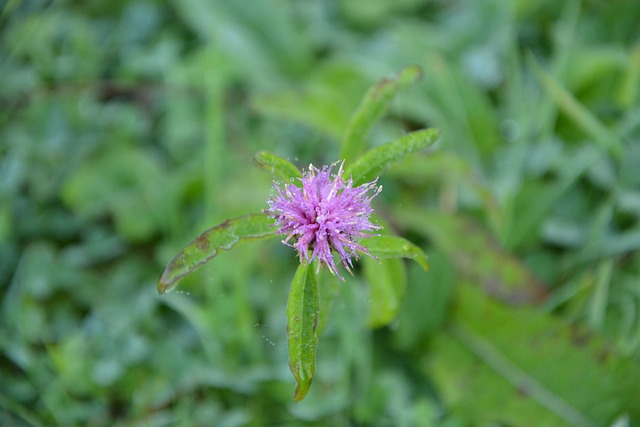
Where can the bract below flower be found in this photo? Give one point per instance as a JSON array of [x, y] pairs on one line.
[[325, 214]]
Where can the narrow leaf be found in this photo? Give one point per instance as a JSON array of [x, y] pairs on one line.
[[395, 247], [387, 285], [328, 290], [577, 112], [276, 165], [535, 200], [302, 320], [387, 280], [211, 242], [376, 160], [373, 106]]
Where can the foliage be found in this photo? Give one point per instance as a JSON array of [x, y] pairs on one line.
[[128, 127], [303, 303]]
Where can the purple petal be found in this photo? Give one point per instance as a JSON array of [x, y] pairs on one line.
[[325, 215]]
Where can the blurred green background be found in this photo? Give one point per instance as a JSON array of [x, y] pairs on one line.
[[128, 127]]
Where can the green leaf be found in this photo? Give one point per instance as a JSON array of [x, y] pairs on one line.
[[211, 242], [449, 170], [276, 165], [388, 279], [508, 366], [477, 255], [577, 112], [324, 102], [371, 164], [395, 247], [426, 305], [387, 284], [302, 320], [536, 199], [137, 196], [461, 107], [329, 288], [374, 104]]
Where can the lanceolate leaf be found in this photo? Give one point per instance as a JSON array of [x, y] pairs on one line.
[[328, 290], [387, 280], [371, 108], [387, 284], [211, 242], [395, 247], [302, 321], [276, 165], [376, 160]]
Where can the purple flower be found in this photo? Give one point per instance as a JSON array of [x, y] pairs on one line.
[[326, 214]]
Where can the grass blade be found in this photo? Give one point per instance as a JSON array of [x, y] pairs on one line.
[[578, 113]]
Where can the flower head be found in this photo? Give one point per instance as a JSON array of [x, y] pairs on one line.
[[325, 214]]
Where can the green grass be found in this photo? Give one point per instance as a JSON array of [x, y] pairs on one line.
[[127, 128]]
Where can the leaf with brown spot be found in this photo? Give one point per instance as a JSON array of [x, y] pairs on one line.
[[206, 246]]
